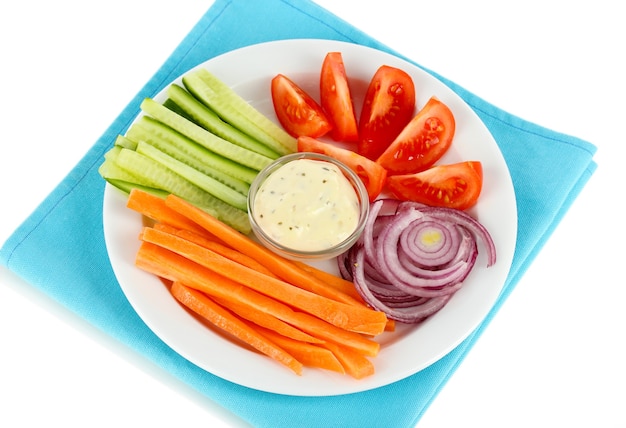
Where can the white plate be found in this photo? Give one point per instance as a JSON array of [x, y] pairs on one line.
[[404, 352]]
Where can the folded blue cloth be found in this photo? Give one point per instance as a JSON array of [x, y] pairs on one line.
[[60, 247]]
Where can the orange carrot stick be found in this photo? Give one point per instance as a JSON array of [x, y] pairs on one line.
[[154, 208], [282, 267], [335, 281], [174, 267], [266, 320], [354, 363], [350, 317], [307, 353], [318, 328], [219, 248], [206, 308], [341, 284]]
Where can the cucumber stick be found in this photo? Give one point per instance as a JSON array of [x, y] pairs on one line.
[[232, 108], [180, 147], [205, 117], [158, 176], [203, 181], [110, 170], [127, 186], [124, 142], [203, 137]]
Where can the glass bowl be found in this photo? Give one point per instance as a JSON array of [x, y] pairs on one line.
[[289, 228]]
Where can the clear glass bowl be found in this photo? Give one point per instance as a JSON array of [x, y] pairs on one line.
[[298, 254]]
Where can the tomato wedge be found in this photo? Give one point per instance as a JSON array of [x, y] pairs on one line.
[[455, 185], [422, 142], [372, 174], [388, 106], [297, 111], [336, 99]]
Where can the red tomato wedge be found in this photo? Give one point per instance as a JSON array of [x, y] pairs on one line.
[[455, 185], [388, 106], [372, 174], [297, 111], [336, 99], [422, 142]]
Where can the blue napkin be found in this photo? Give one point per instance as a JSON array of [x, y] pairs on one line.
[[60, 247]]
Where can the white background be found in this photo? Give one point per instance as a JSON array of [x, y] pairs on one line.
[[553, 356]]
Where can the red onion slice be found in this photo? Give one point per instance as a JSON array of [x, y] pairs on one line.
[[411, 314], [412, 258]]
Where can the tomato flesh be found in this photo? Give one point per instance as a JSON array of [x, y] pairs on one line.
[[336, 99], [455, 185], [388, 106], [298, 113], [371, 174], [422, 142]]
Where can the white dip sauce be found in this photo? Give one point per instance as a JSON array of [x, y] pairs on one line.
[[307, 205]]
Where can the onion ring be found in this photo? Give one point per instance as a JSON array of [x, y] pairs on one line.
[[411, 258]]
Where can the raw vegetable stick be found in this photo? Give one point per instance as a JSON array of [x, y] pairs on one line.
[[280, 266], [344, 285], [205, 117], [184, 149], [203, 137], [220, 317], [161, 177], [173, 267], [128, 186], [123, 178], [335, 281], [354, 363], [341, 284], [232, 108], [154, 208], [213, 244], [207, 183], [261, 319], [307, 353], [330, 333], [349, 317]]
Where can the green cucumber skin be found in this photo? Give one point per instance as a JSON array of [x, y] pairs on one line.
[[199, 113], [160, 177], [203, 137], [233, 109], [180, 147], [203, 181], [127, 186], [170, 104]]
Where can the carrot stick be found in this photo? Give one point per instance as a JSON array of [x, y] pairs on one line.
[[350, 317], [174, 267], [335, 281], [282, 267], [154, 208], [354, 363], [220, 317], [266, 320], [341, 284], [318, 328], [213, 245], [307, 353]]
